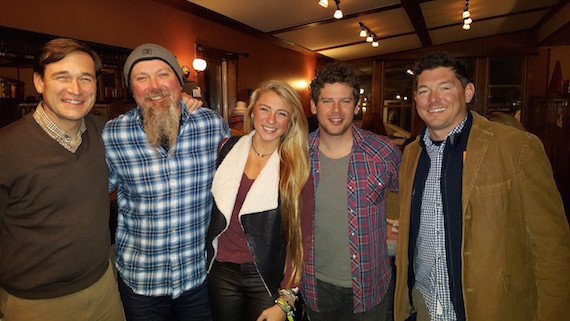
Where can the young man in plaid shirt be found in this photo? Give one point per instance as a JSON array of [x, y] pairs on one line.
[[347, 272]]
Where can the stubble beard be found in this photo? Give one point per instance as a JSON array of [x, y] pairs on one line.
[[161, 120]]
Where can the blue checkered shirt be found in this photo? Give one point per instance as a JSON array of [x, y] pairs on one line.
[[164, 200], [430, 260]]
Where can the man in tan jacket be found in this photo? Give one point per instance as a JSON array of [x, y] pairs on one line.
[[483, 235]]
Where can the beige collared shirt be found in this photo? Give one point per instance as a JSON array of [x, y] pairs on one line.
[[57, 133]]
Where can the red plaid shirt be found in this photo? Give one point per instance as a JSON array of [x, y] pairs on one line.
[[373, 168]]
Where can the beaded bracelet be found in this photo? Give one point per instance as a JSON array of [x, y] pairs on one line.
[[289, 295], [284, 305]]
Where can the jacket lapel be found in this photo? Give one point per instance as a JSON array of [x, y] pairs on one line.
[[477, 145]]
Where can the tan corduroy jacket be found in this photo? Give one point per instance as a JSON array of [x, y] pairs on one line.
[[516, 241]]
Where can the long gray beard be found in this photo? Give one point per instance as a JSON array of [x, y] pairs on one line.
[[161, 122]]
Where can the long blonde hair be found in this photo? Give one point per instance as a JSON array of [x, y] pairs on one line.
[[294, 169]]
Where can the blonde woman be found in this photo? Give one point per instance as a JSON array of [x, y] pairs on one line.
[[263, 211]]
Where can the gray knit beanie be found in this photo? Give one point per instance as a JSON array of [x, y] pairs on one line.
[[149, 51]]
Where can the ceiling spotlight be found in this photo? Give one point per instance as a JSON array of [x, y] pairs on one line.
[[370, 36], [324, 3], [466, 16], [363, 32], [338, 13]]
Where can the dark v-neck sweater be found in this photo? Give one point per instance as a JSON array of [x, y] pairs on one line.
[[54, 211]]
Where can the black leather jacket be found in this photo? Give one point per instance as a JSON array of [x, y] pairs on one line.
[[263, 234]]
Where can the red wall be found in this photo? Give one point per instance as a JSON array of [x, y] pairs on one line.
[[129, 23]]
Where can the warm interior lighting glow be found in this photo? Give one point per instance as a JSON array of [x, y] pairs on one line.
[[199, 64], [467, 21], [466, 14], [375, 43], [363, 33], [300, 84], [369, 38], [466, 27], [324, 3]]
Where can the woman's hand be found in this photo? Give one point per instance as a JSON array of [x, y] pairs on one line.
[[275, 313], [191, 103]]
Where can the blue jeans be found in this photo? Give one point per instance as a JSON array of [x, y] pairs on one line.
[[336, 303], [192, 305]]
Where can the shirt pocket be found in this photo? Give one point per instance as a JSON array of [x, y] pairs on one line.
[[375, 189]]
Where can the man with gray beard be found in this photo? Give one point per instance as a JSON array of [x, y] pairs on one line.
[[161, 121], [162, 159]]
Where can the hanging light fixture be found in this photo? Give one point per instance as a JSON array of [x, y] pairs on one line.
[[324, 3], [466, 16], [363, 32], [370, 36], [338, 13], [375, 43]]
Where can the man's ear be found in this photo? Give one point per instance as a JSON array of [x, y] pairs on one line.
[[357, 107], [38, 83], [313, 107], [469, 92]]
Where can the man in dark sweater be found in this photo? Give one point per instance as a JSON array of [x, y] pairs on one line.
[[54, 205]]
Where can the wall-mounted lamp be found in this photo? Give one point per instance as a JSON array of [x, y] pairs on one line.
[[466, 17], [370, 36], [338, 13], [198, 64]]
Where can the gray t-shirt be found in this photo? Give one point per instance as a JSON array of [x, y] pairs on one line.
[[332, 254]]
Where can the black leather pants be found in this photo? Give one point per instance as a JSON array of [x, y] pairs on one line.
[[237, 292]]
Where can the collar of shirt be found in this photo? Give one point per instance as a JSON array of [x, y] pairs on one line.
[[57, 133], [426, 139]]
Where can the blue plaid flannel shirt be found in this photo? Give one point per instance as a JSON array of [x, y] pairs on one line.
[[164, 200]]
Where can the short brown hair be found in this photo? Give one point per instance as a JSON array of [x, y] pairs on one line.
[[57, 49], [333, 73]]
